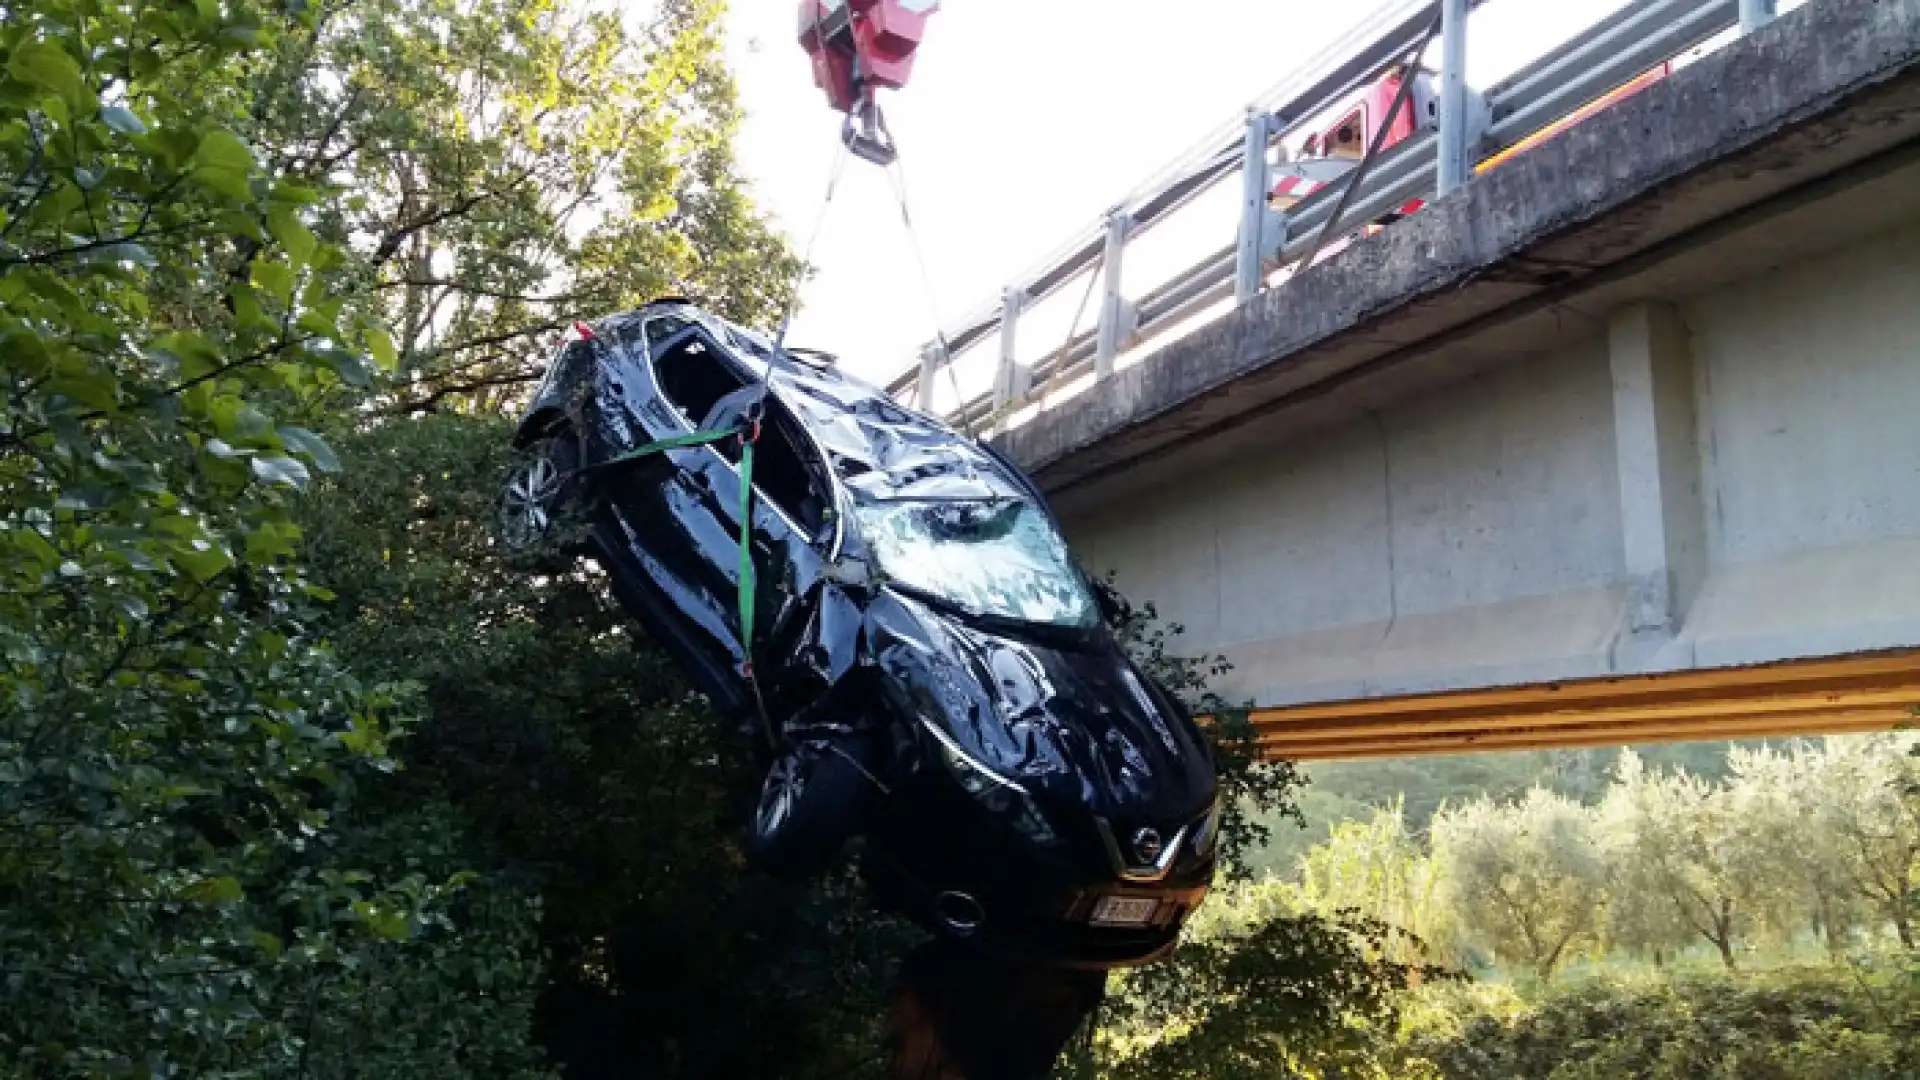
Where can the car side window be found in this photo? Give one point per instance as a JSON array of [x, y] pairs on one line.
[[781, 473], [661, 327], [692, 375]]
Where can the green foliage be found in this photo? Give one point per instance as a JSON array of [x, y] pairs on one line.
[[181, 892], [1680, 841], [1524, 880], [1791, 1025], [1869, 812], [1792, 822], [513, 167], [1291, 995], [1261, 986], [1806, 842], [1254, 793], [1425, 784], [584, 769], [1378, 869]]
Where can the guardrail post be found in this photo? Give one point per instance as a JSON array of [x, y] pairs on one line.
[[1755, 14], [1455, 121], [1250, 262], [930, 359], [1117, 317], [1010, 385]]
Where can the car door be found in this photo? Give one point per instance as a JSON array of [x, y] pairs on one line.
[[791, 522], [678, 544], [682, 505]]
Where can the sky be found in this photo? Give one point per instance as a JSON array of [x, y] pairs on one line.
[[1025, 120]]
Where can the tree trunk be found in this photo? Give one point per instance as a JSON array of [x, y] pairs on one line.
[[1552, 961], [1836, 937], [1725, 945], [1723, 933]]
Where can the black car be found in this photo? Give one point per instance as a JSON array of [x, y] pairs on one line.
[[927, 665]]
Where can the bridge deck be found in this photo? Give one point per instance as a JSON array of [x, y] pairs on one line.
[[1614, 444]]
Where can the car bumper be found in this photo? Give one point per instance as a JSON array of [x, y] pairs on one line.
[[1031, 904]]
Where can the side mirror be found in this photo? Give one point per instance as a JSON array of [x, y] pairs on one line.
[[1113, 607]]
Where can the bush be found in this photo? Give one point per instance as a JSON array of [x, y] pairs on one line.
[[1820, 1024], [584, 770]]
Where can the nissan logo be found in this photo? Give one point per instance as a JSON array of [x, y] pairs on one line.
[[1147, 846]]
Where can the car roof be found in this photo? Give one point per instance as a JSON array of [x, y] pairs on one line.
[[878, 448]]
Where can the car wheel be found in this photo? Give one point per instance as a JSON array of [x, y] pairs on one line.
[[540, 498], [810, 802]]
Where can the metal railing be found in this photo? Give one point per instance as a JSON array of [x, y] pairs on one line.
[[1465, 127]]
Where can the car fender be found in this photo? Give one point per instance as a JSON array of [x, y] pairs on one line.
[[562, 394]]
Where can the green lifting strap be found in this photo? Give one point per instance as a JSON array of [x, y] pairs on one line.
[[698, 438], [748, 584]]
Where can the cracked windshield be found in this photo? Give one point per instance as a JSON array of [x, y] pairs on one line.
[[996, 557]]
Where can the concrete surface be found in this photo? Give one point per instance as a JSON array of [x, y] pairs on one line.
[[1645, 400], [1825, 87]]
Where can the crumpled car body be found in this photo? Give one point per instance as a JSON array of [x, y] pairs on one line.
[[1034, 790]]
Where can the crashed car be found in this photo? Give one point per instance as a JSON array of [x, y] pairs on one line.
[[924, 662]]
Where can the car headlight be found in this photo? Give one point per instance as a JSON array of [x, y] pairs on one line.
[[1208, 833], [1000, 796]]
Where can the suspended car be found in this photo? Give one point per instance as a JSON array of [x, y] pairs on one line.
[[917, 656]]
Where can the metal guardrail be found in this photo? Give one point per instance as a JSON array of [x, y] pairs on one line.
[[1468, 127]]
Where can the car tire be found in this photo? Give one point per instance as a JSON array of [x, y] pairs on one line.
[[811, 800], [957, 1014], [542, 495]]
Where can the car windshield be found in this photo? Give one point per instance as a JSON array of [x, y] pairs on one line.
[[989, 557]]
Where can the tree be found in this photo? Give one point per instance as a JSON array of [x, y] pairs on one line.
[[516, 166], [1871, 809], [1376, 869], [1526, 878], [177, 752], [586, 770], [1681, 839], [1294, 995], [1782, 800]]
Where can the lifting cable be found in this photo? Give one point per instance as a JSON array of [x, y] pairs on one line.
[[897, 178], [806, 259]]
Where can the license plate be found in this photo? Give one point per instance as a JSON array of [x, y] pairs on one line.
[[1124, 911]]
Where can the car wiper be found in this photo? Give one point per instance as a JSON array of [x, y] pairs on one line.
[[814, 358]]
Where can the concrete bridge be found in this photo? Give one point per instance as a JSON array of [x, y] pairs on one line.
[[1617, 443]]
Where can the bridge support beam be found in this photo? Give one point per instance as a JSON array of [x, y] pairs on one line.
[[1657, 444]]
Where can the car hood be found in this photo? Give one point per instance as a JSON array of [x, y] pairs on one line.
[[1073, 725]]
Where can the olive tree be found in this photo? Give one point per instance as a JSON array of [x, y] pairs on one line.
[[1783, 799], [1525, 878], [1868, 810], [1681, 841]]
